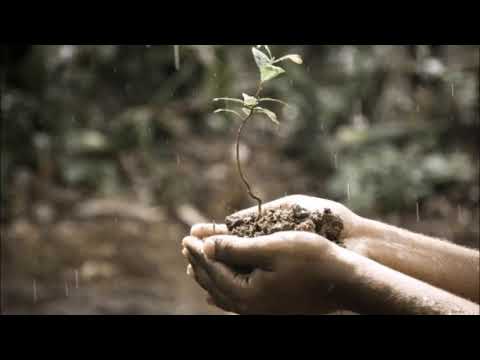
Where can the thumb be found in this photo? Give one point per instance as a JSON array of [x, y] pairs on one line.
[[237, 251]]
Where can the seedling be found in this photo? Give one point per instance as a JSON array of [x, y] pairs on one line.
[[252, 105]]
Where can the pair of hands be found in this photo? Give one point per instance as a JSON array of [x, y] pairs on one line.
[[293, 272]]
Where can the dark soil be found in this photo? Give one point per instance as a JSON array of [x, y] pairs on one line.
[[287, 218]]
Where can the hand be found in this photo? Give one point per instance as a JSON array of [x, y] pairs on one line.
[[294, 272], [351, 221]]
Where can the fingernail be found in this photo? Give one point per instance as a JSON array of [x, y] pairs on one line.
[[185, 252], [189, 270]]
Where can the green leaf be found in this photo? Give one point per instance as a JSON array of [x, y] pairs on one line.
[[229, 99], [268, 72], [249, 101], [271, 115], [293, 57], [260, 58], [228, 111], [272, 100]]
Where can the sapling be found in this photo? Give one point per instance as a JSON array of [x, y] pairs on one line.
[[291, 217], [253, 105]]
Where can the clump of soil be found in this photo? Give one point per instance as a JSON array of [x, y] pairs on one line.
[[287, 218]]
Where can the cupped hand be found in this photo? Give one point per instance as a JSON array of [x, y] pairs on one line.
[[351, 221], [293, 272]]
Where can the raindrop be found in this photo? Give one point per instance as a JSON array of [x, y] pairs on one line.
[[76, 279], [176, 53], [34, 286], [348, 191], [335, 163], [418, 212], [66, 289], [452, 87]]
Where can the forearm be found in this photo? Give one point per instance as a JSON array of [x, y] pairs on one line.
[[373, 288], [437, 262]]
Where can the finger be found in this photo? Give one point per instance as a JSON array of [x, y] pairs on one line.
[[191, 239], [236, 251], [204, 230], [194, 246], [227, 281], [221, 305], [204, 280]]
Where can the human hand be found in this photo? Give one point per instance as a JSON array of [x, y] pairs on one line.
[[352, 223], [293, 272]]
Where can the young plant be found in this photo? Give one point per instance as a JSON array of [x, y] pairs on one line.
[[252, 105]]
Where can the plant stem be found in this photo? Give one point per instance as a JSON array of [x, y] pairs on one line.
[[239, 166], [259, 88]]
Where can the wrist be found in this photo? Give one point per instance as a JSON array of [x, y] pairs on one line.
[[362, 233], [348, 281], [366, 227], [357, 290]]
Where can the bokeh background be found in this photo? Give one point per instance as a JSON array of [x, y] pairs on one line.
[[110, 153]]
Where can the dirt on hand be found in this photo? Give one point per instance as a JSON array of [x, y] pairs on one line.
[[286, 218]]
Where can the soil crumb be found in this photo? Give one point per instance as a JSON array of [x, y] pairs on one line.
[[287, 218]]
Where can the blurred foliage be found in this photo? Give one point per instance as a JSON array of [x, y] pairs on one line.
[[393, 123], [109, 153]]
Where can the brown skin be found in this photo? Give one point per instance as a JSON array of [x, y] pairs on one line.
[[286, 272], [304, 273], [435, 261]]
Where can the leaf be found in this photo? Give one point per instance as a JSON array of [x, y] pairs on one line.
[[229, 99], [228, 111], [272, 100], [260, 58], [249, 101], [272, 116], [268, 72], [293, 57]]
